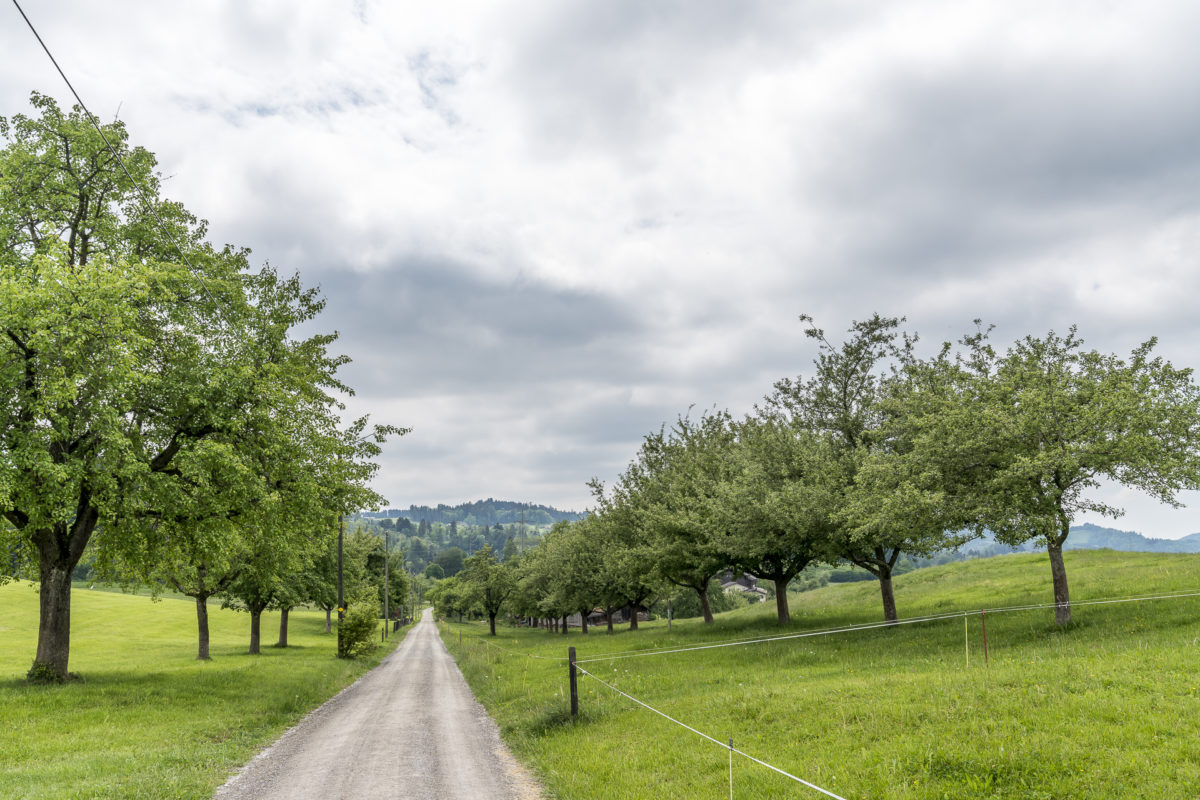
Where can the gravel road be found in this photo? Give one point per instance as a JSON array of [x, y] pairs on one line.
[[408, 729]]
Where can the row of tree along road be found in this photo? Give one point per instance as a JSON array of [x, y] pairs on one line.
[[158, 409], [878, 453]]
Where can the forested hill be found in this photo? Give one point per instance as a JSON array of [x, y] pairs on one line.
[[483, 512]]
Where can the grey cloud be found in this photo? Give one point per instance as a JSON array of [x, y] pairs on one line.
[[996, 159], [452, 330]]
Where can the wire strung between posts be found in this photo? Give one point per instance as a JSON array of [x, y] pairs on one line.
[[874, 625], [718, 742], [96, 124], [559, 659]]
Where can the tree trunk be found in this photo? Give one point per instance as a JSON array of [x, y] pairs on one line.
[[1062, 597], [202, 627], [608, 618], [255, 631], [881, 565], [889, 598], [492, 623], [283, 622], [633, 618], [705, 608], [564, 630], [54, 624], [583, 615], [329, 620], [59, 550], [781, 601]]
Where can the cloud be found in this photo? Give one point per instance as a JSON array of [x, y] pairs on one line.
[[543, 231]]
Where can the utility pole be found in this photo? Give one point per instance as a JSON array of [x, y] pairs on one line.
[[341, 599], [387, 545]]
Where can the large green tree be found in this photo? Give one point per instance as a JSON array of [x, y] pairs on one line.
[[775, 508], [1038, 428], [627, 576], [672, 487], [841, 401], [118, 359]]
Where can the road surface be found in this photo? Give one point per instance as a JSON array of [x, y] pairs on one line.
[[409, 729]]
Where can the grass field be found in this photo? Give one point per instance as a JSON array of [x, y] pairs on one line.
[[1107, 708], [147, 720]]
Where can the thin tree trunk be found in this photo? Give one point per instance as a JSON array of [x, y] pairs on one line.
[[781, 601], [583, 615], [283, 623], [329, 620], [255, 631], [608, 618], [889, 597], [202, 628], [633, 620], [564, 630], [705, 608], [1062, 596]]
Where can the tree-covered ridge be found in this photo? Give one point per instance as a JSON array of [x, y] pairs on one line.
[[484, 512]]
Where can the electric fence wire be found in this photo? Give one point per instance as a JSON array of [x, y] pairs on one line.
[[875, 625], [717, 742], [96, 124], [559, 659]]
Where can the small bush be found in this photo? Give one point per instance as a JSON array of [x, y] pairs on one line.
[[358, 633]]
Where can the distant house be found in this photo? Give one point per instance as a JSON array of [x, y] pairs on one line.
[[745, 584]]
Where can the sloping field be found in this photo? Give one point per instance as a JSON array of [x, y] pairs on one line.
[[1107, 708], [147, 720]]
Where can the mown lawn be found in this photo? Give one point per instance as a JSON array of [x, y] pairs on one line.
[[1108, 708], [146, 720]]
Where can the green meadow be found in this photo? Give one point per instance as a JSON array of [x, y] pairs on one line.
[[1109, 707], [146, 719]]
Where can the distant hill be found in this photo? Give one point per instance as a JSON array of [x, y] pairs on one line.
[[1092, 537], [483, 512]]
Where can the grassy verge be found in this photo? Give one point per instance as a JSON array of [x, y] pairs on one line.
[[147, 720], [1108, 708]]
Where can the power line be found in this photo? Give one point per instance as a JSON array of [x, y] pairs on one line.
[[96, 124]]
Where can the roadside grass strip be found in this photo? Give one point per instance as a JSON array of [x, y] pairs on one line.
[[1109, 706], [145, 719]]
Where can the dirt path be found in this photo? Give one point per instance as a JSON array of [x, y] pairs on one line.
[[408, 729]]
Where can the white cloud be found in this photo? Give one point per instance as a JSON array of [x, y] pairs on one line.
[[547, 229]]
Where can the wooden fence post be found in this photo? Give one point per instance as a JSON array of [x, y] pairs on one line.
[[574, 682]]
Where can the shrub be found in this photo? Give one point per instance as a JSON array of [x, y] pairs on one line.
[[358, 632]]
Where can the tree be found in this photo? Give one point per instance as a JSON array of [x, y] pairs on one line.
[[841, 402], [1040, 426], [118, 360], [671, 488], [776, 507], [450, 598], [451, 561], [488, 583], [627, 576]]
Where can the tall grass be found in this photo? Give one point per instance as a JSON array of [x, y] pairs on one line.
[[146, 720], [1109, 707]]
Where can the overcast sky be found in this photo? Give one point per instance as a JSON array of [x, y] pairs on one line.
[[546, 228]]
